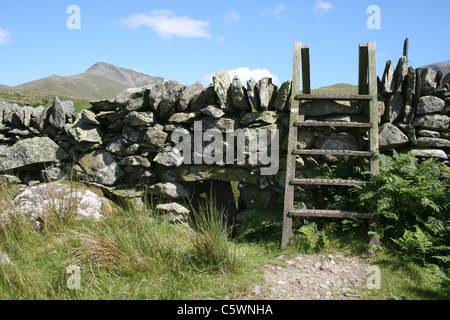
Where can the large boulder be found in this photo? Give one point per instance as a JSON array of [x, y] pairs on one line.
[[32, 153], [266, 93], [101, 167], [222, 84], [67, 199], [239, 96], [85, 132], [391, 137], [430, 104], [438, 122], [187, 95]]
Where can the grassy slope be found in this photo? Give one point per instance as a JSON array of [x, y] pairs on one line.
[[82, 86]]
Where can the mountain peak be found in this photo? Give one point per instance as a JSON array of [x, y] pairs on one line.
[[126, 77]]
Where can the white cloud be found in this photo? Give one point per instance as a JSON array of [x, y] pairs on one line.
[[4, 36], [277, 12], [232, 17], [166, 24], [322, 6], [246, 74], [274, 12]]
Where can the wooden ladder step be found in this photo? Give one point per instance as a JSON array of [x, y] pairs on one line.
[[329, 214], [336, 97], [332, 124], [333, 152], [328, 182]]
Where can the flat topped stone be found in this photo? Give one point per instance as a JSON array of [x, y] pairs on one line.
[[35, 151]]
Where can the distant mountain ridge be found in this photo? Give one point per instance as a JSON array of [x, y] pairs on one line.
[[101, 81], [444, 66]]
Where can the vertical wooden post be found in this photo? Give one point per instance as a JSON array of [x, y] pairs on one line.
[[292, 141], [374, 146]]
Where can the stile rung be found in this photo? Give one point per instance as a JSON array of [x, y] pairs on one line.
[[333, 152], [335, 97], [332, 124], [328, 182], [329, 214]]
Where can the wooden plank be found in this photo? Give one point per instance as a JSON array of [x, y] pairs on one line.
[[373, 90], [333, 124], [329, 214], [328, 182], [323, 152], [306, 76], [292, 143], [363, 87], [373, 134], [335, 97]]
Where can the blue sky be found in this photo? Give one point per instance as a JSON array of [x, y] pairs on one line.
[[188, 41]]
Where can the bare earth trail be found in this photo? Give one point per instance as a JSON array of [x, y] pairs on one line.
[[312, 277]]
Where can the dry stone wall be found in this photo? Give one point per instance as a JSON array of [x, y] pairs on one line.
[[133, 141]]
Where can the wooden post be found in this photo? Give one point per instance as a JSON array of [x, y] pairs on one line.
[[374, 146], [292, 141]]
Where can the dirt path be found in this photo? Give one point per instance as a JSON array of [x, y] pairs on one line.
[[312, 277]]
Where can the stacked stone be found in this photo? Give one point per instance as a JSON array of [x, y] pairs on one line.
[[417, 111], [125, 143]]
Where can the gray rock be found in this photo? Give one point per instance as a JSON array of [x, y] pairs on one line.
[[426, 142], [438, 122], [135, 161], [156, 137], [222, 84], [133, 99], [101, 167], [430, 104], [169, 157], [57, 114], [29, 153], [222, 124], [62, 198], [169, 190], [429, 153], [4, 259], [104, 105], [84, 132], [281, 102], [89, 117], [163, 98], [116, 145], [265, 93], [394, 108], [410, 132], [139, 119], [213, 111], [182, 117], [387, 82], [428, 133], [172, 212], [391, 137], [428, 81], [268, 117], [400, 73], [239, 96], [132, 135], [187, 95], [410, 86], [251, 93], [205, 98]]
